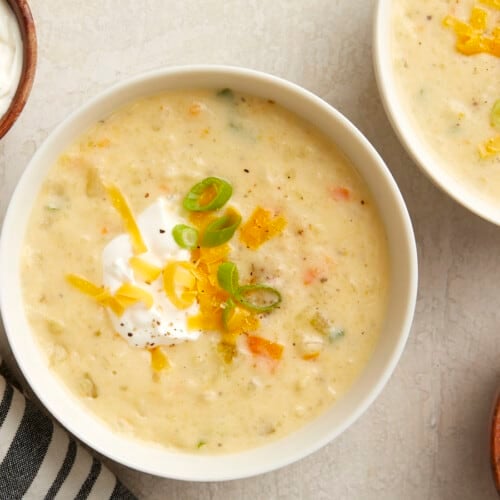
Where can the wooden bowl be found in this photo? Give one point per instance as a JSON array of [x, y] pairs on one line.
[[495, 442], [28, 34]]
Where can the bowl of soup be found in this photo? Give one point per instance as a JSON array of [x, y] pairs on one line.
[[437, 66], [207, 273]]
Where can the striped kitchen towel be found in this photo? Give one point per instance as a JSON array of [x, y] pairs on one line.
[[39, 460]]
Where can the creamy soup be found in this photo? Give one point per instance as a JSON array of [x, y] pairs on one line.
[[260, 312], [446, 63]]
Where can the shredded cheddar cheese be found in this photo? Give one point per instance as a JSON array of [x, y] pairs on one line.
[[100, 294], [494, 4], [242, 321], [179, 283], [261, 227], [210, 296], [159, 360], [490, 148], [472, 37], [128, 295], [122, 207], [144, 269]]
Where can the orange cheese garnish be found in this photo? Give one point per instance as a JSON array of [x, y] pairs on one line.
[[472, 37], [261, 227], [210, 296], [144, 269], [122, 207], [241, 321], [201, 219]]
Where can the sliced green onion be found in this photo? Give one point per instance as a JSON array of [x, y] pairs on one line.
[[335, 333], [259, 298], [221, 230], [227, 312], [320, 323], [495, 114], [323, 326], [185, 236], [228, 277], [194, 199], [227, 93]]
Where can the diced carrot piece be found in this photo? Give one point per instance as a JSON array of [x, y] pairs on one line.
[[195, 109], [311, 356], [310, 275], [340, 193], [263, 347]]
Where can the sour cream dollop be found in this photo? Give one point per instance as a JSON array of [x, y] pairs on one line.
[[11, 56], [163, 323]]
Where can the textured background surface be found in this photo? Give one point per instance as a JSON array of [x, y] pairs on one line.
[[426, 435]]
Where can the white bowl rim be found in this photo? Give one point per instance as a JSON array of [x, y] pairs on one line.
[[414, 145], [210, 467]]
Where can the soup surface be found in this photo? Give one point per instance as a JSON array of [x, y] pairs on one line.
[[309, 230], [446, 63]]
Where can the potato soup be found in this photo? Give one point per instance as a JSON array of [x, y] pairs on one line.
[[205, 270], [447, 67]]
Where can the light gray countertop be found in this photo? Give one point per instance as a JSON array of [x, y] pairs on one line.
[[426, 435]]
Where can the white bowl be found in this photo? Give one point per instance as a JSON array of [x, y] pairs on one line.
[[401, 122], [153, 459]]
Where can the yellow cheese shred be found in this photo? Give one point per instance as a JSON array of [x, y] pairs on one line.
[[179, 283], [472, 37], [261, 227], [490, 148], [494, 4], [98, 293], [242, 321], [122, 207], [159, 360], [128, 295], [208, 292], [144, 269]]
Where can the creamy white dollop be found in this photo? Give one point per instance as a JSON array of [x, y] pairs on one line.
[[163, 323], [11, 56]]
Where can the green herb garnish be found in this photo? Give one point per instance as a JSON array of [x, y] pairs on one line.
[[185, 236], [258, 298], [323, 326], [495, 114], [228, 277], [226, 93], [211, 193], [221, 230]]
